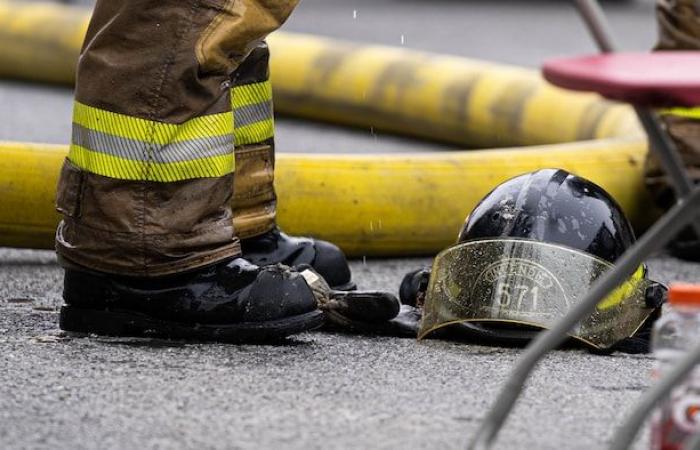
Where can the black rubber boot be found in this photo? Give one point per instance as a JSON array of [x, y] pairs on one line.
[[275, 247], [232, 301]]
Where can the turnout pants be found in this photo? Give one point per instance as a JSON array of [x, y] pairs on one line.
[[164, 89], [679, 29]]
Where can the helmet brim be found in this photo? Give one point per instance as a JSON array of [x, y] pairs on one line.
[[522, 286]]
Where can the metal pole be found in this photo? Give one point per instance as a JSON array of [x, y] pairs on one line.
[[656, 237], [594, 18]]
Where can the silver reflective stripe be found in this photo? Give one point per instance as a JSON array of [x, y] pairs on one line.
[[136, 150], [257, 112]]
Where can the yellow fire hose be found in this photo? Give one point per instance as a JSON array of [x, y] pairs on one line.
[[380, 204], [440, 98], [41, 41], [370, 204]]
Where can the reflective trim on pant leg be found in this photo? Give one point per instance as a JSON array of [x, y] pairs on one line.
[[125, 147], [250, 94], [258, 112], [125, 169], [149, 130], [132, 149], [254, 133], [252, 112]]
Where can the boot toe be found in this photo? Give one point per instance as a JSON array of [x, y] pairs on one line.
[[277, 293], [331, 264]]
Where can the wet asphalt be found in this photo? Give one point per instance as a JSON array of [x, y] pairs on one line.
[[320, 390]]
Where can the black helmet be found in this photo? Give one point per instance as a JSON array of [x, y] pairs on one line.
[[529, 251], [554, 206]]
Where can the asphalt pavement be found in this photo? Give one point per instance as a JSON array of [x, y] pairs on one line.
[[320, 390]]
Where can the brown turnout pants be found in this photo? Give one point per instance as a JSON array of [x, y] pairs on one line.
[[164, 88], [679, 29]]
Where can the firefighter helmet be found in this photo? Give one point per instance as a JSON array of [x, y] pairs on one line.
[[530, 250]]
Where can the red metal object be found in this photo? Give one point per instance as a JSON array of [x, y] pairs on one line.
[[659, 79]]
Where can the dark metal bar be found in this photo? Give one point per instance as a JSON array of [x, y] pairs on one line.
[[593, 15]]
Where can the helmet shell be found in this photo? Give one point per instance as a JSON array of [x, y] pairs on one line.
[[553, 206]]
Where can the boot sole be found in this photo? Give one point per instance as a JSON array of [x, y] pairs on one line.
[[124, 323]]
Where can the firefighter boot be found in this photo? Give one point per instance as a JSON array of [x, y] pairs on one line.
[[233, 301], [276, 247]]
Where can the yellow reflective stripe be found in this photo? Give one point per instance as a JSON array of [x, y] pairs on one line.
[[623, 292], [150, 131], [254, 133], [249, 94], [252, 110], [131, 148], [690, 113], [126, 169]]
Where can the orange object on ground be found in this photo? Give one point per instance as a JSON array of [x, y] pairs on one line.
[[684, 294]]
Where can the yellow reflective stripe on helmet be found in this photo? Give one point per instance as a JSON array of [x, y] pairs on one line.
[[128, 169], [149, 130], [624, 291], [249, 94], [690, 113]]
